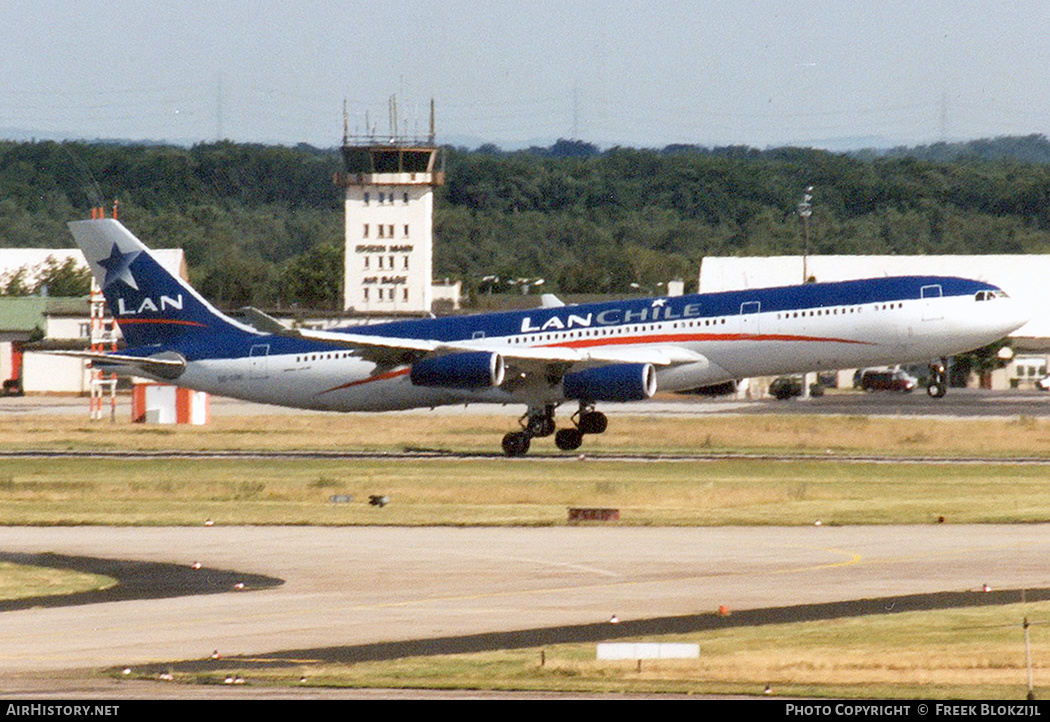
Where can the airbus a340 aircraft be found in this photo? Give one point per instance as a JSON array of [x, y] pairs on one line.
[[542, 358]]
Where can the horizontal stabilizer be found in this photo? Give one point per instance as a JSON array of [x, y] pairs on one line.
[[167, 366]]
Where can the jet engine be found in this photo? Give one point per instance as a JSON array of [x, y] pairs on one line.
[[619, 382], [477, 370]]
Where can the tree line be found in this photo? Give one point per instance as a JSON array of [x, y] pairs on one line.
[[263, 225]]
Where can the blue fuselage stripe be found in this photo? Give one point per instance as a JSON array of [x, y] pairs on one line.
[[606, 315]]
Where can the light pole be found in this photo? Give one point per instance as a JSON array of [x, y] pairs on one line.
[[805, 210]]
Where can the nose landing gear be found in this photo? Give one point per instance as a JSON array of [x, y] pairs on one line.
[[938, 385]]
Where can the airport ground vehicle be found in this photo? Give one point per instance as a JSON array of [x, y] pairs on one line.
[[887, 380]]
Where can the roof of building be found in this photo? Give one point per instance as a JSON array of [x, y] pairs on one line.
[[22, 313], [26, 313]]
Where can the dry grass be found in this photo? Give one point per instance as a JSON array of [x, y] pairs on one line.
[[1024, 436], [501, 492], [19, 581]]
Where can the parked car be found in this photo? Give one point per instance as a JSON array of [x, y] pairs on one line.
[[1043, 384], [785, 387], [887, 380]]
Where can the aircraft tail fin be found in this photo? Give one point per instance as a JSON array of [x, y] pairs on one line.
[[153, 306]]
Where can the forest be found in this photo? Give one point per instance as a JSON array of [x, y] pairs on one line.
[[263, 225]]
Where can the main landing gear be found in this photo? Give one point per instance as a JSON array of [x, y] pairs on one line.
[[539, 422], [938, 385]]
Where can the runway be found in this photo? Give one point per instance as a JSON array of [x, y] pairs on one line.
[[958, 403], [363, 586]]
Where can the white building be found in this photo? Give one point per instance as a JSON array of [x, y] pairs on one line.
[[389, 227]]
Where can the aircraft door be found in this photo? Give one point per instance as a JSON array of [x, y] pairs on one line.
[[749, 318], [259, 367], [931, 309]]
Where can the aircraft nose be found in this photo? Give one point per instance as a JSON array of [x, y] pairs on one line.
[[1015, 314]]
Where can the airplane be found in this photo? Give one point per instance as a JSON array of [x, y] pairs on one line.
[[543, 357]]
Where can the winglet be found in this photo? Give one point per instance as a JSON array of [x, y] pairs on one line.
[[261, 321]]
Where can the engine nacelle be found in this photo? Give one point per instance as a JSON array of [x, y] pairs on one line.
[[477, 370], [619, 382]]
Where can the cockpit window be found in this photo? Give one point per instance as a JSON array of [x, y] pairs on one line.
[[989, 295]]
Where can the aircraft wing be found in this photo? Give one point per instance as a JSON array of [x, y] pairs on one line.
[[380, 349], [385, 350]]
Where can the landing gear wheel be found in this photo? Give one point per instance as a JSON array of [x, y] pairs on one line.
[[593, 422], [538, 421], [938, 385], [568, 439], [936, 391], [540, 426], [516, 443]]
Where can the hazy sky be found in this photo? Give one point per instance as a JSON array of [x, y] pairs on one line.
[[631, 72]]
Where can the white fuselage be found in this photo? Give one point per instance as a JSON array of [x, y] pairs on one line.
[[732, 346]]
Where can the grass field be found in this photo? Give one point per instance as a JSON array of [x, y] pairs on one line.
[[809, 434], [20, 582], [499, 492], [533, 490]]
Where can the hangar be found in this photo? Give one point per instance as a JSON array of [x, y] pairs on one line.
[[1024, 277]]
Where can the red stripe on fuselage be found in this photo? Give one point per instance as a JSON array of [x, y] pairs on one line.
[[370, 379]]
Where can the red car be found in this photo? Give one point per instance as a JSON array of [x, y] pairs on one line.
[[888, 381]]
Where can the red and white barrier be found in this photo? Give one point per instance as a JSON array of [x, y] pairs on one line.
[[164, 404]]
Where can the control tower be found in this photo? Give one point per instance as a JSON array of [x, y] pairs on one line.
[[389, 184]]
